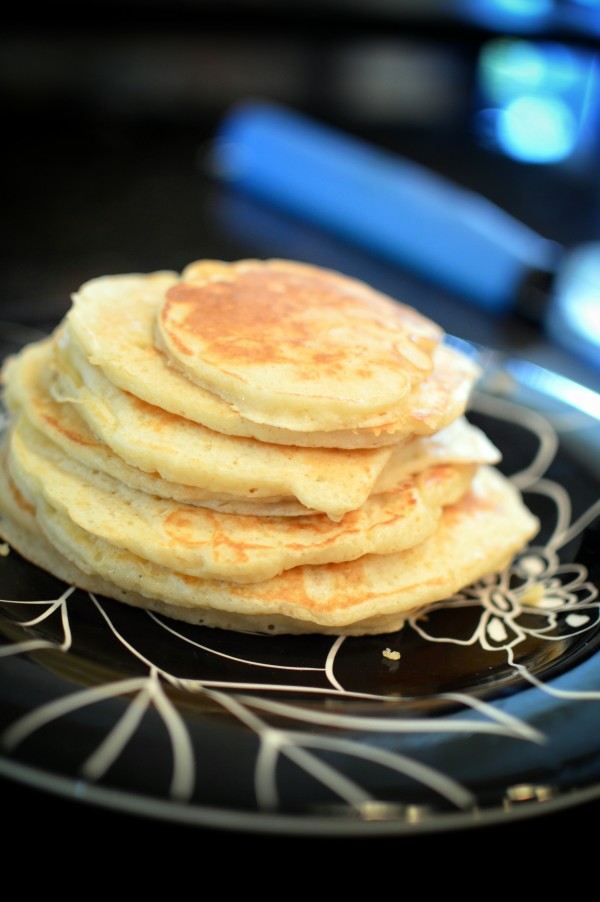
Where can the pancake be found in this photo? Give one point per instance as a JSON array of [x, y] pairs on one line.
[[112, 325], [28, 381], [370, 595], [182, 451], [458, 443], [28, 392], [293, 345], [199, 542]]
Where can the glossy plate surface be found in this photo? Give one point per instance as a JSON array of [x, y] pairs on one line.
[[484, 707]]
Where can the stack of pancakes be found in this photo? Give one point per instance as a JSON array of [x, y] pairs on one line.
[[261, 445]]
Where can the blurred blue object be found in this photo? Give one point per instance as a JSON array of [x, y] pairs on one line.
[[392, 206], [406, 213], [574, 320], [541, 100]]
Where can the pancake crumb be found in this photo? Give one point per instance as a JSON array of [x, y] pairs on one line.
[[391, 655], [4, 549]]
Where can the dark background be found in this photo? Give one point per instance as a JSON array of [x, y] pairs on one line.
[[109, 109]]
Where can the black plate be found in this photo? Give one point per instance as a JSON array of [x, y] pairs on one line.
[[484, 707]]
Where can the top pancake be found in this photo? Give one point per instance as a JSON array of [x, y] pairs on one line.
[[295, 346], [112, 325]]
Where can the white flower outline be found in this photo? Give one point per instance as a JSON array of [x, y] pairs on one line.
[[536, 587]]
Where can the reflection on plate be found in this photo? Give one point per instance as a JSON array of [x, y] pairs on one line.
[[456, 719]]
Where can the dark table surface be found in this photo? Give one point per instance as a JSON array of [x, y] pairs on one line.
[[84, 197]]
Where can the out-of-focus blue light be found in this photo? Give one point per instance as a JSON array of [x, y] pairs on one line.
[[533, 16], [525, 8], [575, 317], [525, 15], [522, 9], [510, 67], [537, 129], [540, 100]]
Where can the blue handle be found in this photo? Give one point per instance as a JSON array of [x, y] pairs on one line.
[[392, 206]]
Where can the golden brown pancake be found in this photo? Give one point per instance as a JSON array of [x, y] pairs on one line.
[[112, 326], [29, 380], [295, 346], [373, 594], [201, 542], [181, 451]]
